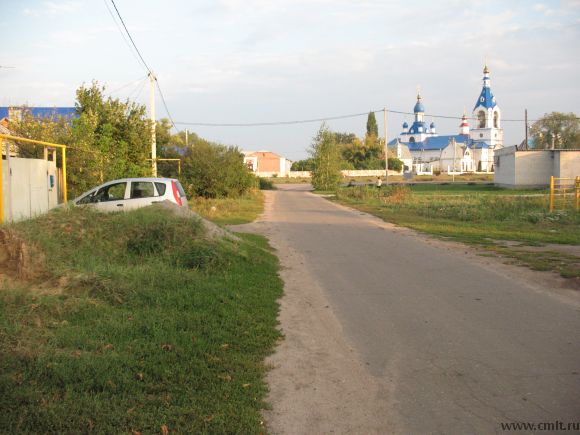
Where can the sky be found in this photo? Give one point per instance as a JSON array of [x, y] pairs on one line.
[[252, 61]]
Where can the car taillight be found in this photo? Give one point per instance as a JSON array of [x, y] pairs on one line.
[[176, 193]]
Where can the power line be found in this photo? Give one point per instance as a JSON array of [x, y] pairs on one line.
[[127, 43], [165, 104], [137, 91], [150, 73], [132, 83], [328, 118], [131, 38], [262, 124]]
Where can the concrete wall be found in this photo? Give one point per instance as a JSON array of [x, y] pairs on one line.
[[26, 184], [347, 173], [534, 168], [568, 164], [299, 174], [505, 167]]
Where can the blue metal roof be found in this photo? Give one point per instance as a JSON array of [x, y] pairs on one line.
[[418, 127], [478, 144], [43, 112], [419, 107], [438, 142], [486, 99]]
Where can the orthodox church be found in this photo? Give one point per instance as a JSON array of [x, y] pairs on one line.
[[422, 149]]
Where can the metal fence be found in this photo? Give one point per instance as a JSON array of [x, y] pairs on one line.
[[564, 192]]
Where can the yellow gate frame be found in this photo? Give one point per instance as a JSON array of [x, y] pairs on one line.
[[560, 184], [36, 142]]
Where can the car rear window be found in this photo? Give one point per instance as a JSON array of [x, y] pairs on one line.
[[180, 189], [161, 187], [142, 189]]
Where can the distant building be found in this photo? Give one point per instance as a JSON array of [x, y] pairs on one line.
[[14, 113], [421, 148], [533, 168], [267, 163]]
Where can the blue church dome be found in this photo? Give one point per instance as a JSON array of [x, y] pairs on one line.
[[419, 107], [405, 125]]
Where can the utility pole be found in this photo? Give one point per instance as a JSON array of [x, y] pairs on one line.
[[152, 79], [526, 142], [386, 148], [186, 138]]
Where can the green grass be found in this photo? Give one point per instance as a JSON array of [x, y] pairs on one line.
[[480, 215], [133, 322], [230, 211]]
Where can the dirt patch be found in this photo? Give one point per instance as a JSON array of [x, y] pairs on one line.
[[573, 250], [18, 259]]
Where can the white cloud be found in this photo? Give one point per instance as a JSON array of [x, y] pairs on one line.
[[53, 8]]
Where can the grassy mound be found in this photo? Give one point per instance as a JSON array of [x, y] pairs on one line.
[[134, 322]]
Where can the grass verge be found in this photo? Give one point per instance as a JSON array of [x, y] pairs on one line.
[[230, 211], [133, 323], [485, 216]]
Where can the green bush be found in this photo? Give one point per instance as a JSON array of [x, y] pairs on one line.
[[216, 171], [266, 184], [395, 164]]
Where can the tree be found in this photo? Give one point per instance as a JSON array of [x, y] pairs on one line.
[[212, 170], [55, 129], [325, 153], [557, 130], [372, 127], [303, 165], [364, 155], [110, 139]]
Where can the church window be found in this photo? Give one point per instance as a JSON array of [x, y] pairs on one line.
[[412, 140], [481, 118], [495, 120], [480, 134]]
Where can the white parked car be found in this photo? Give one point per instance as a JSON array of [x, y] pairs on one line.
[[132, 193]]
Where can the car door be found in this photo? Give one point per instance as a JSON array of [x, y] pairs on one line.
[[142, 194], [111, 197]]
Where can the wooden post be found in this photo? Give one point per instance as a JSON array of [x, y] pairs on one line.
[[551, 193]]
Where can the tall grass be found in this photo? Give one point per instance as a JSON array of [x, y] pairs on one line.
[[482, 211], [235, 210], [139, 324]]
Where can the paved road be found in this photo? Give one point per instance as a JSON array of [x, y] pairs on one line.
[[453, 346]]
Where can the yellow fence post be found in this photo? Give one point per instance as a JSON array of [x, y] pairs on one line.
[[64, 194], [2, 181], [551, 194], [577, 187]]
